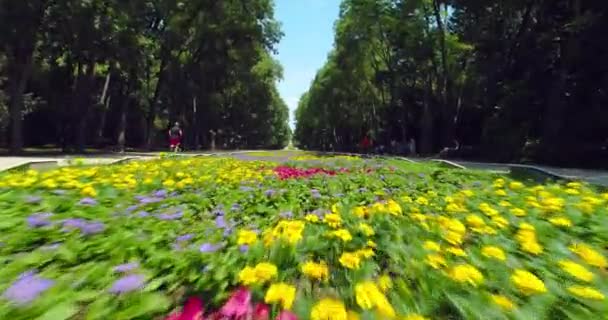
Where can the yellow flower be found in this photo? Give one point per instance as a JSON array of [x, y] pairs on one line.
[[456, 251], [414, 316], [527, 282], [350, 260], [516, 185], [453, 238], [333, 220], [589, 255], [500, 221], [247, 276], [500, 192], [328, 309], [467, 193], [422, 201], [503, 302], [494, 252], [518, 212], [247, 237], [393, 208], [311, 218], [436, 261], [360, 212], [561, 222], [371, 244], [586, 292], [342, 234], [88, 191], [532, 247], [265, 271], [366, 229], [385, 282], [369, 296], [475, 221], [169, 183], [504, 203], [365, 253], [576, 270], [572, 191], [431, 246], [282, 293], [466, 273], [315, 270]]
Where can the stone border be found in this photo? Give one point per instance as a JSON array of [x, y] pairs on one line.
[[450, 164], [58, 163]]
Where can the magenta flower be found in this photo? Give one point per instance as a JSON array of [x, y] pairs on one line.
[[239, 304], [193, 310]]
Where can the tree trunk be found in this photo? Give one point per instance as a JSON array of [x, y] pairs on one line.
[[84, 98], [153, 104], [21, 65], [104, 103], [426, 135], [446, 83], [122, 122]]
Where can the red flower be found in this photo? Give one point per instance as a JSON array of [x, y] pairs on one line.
[[286, 315], [261, 311]]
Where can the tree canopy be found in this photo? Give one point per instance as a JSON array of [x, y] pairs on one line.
[[80, 73], [508, 80]]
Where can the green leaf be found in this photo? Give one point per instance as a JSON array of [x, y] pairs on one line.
[[60, 312]]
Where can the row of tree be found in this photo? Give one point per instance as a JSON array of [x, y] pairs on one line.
[[77, 73], [504, 80]]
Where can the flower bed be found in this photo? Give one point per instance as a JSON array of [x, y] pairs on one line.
[[236, 239]]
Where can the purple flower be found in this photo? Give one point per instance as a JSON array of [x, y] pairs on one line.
[[88, 201], [236, 207], [362, 189], [27, 288], [319, 213], [228, 231], [286, 215], [170, 216], [148, 200], [37, 220], [269, 192], [128, 283], [244, 248], [93, 228], [218, 212], [74, 223], [59, 192], [143, 214], [126, 267], [185, 237], [209, 247], [160, 193], [338, 195], [220, 222], [33, 199], [132, 208], [315, 193], [246, 188]]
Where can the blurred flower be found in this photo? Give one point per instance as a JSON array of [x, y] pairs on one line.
[[414, 316], [431, 246], [586, 292], [247, 237], [33, 199], [503, 302], [350, 260], [318, 271], [589, 255], [385, 283], [286, 315], [436, 261], [238, 305], [282, 293], [170, 216], [88, 202], [527, 282], [466, 273], [209, 247], [185, 237], [126, 267], [368, 296], [244, 248], [37, 220], [128, 283], [341, 234], [27, 288], [576, 270], [328, 309], [261, 311], [494, 252]]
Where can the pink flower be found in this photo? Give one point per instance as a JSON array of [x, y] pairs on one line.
[[193, 310], [261, 311], [286, 315], [239, 304]]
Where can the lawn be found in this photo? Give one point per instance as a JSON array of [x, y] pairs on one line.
[[314, 238]]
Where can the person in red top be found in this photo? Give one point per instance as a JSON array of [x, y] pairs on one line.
[[175, 137], [365, 144]]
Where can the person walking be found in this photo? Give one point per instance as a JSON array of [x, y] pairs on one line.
[[175, 137]]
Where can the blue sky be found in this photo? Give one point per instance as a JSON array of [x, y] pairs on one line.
[[309, 35]]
